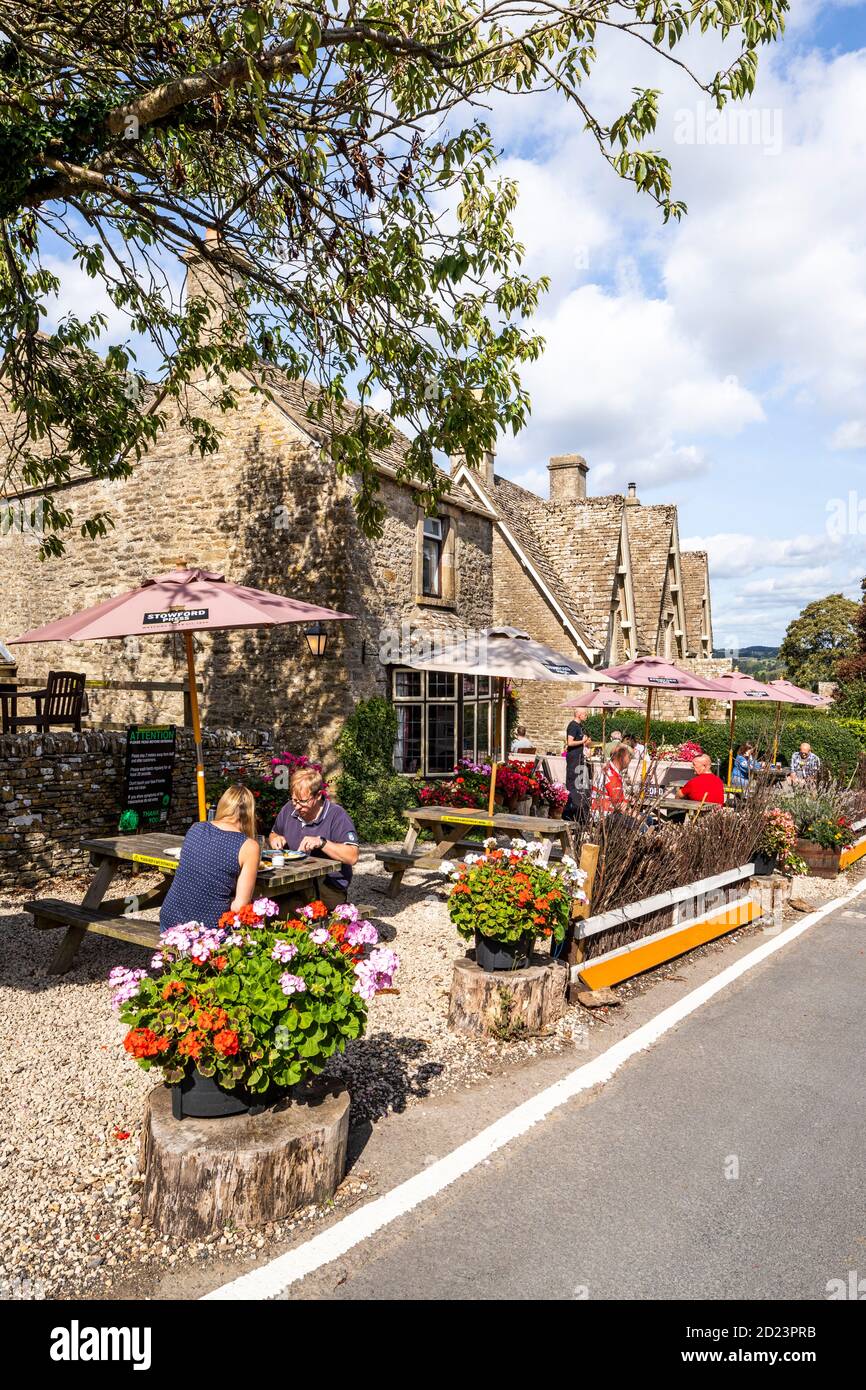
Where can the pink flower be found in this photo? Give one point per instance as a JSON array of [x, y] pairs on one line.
[[266, 907], [284, 951], [375, 973], [292, 984], [320, 936], [362, 934]]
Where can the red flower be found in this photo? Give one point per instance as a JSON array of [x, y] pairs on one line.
[[121, 1134], [221, 962], [173, 987], [318, 909], [141, 1042], [191, 1045], [226, 1042]]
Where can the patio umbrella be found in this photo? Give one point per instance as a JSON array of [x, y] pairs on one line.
[[508, 653], [654, 673], [187, 601], [744, 688], [603, 700], [803, 697]]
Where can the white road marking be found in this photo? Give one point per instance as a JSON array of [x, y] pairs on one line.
[[272, 1279]]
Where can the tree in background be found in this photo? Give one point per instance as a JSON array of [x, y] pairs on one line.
[[815, 642], [851, 671], [335, 152], [371, 791]]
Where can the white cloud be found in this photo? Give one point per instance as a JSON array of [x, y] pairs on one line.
[[733, 554], [849, 435]]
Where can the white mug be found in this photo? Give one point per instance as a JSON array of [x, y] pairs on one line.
[[277, 860]]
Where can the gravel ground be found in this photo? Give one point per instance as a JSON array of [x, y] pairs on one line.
[[69, 1219]]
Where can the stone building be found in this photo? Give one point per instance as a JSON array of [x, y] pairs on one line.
[[602, 578]]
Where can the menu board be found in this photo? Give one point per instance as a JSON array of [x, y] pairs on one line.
[[147, 780]]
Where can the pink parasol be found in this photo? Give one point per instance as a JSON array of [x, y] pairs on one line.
[[187, 601], [802, 697]]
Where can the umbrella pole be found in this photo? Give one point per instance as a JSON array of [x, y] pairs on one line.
[[196, 727], [603, 740], [646, 731], [776, 732], [731, 749]]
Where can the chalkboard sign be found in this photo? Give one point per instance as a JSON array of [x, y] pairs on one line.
[[150, 753]]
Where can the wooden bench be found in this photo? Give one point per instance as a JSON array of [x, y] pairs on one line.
[[51, 912]]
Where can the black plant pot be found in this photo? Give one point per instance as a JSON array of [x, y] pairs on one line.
[[765, 864], [491, 954], [202, 1098]]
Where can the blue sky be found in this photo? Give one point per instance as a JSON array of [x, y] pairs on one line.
[[720, 363]]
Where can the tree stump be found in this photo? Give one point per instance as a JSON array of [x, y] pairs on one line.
[[773, 892], [507, 1004], [246, 1170]]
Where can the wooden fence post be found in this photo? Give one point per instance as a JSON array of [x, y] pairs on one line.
[[574, 952]]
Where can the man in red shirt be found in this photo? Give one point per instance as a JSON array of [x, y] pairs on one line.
[[705, 785]]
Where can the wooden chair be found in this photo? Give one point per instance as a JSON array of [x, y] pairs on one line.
[[59, 705]]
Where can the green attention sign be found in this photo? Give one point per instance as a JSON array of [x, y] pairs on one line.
[[148, 775]]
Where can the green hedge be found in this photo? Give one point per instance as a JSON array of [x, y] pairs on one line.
[[838, 742]]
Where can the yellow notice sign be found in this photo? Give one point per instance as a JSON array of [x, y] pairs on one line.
[[170, 865], [467, 820]]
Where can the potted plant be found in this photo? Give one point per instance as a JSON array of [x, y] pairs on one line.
[[504, 898], [822, 842], [777, 847], [235, 1017]]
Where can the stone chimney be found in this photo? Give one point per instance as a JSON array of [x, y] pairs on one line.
[[631, 497], [484, 470], [567, 477], [203, 281]]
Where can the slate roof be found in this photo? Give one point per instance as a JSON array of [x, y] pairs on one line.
[[649, 539], [695, 572], [524, 515]]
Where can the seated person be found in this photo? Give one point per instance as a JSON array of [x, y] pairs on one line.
[[613, 743], [218, 865], [805, 765], [612, 796], [317, 826], [744, 763], [520, 743], [705, 785], [637, 746]]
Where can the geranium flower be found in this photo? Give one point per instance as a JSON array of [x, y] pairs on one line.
[[266, 907], [292, 984], [362, 934], [284, 951], [320, 936], [226, 1042]]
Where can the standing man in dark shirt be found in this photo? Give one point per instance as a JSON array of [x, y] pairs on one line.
[[319, 827], [576, 772]]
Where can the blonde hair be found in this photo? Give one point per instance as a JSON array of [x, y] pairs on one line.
[[308, 779], [238, 803]]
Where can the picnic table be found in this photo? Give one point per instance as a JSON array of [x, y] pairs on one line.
[[448, 828], [114, 917], [668, 805]]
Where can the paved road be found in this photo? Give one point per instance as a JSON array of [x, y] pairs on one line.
[[627, 1195]]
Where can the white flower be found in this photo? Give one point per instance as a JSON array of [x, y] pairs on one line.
[[446, 866], [490, 842], [519, 843]]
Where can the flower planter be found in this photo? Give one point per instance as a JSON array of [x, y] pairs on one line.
[[765, 864], [202, 1098], [523, 806], [822, 863], [492, 954]]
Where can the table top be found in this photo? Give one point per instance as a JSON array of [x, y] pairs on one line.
[[679, 803], [150, 849], [500, 820]]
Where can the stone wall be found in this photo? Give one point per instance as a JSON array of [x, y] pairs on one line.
[[58, 789]]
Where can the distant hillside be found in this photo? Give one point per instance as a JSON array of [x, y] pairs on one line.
[[762, 653]]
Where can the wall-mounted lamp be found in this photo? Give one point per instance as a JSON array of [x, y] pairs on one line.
[[317, 639]]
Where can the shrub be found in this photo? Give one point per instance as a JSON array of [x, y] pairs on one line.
[[838, 742], [257, 1003], [371, 791]]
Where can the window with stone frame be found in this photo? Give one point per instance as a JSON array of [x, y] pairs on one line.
[[435, 568], [440, 717]]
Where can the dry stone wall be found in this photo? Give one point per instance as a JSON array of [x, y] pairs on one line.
[[58, 789]]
